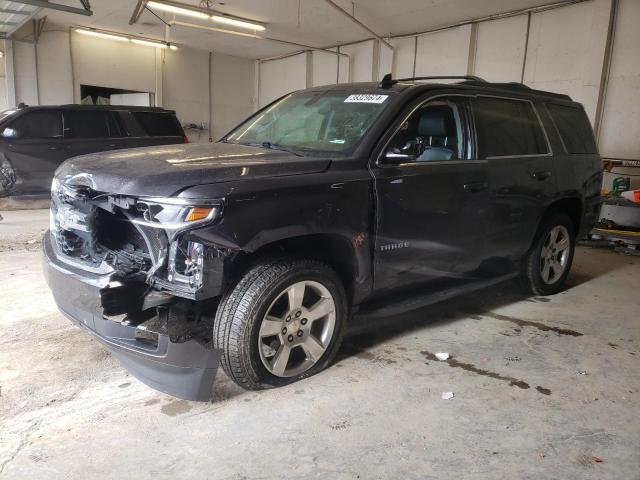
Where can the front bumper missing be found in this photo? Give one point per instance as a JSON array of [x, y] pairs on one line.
[[185, 370]]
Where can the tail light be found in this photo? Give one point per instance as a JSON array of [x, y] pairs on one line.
[[185, 138]]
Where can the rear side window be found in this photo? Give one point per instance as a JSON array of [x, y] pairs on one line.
[[158, 124], [508, 128], [37, 124], [574, 128], [91, 124]]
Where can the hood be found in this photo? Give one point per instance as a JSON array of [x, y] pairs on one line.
[[167, 169]]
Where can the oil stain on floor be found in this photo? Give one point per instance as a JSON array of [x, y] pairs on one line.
[[469, 367], [531, 323], [176, 407]]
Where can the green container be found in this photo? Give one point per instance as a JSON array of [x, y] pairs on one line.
[[620, 184]]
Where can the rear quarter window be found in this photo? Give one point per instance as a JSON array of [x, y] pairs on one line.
[[574, 128], [508, 128], [158, 124]]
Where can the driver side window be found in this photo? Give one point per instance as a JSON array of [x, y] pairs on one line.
[[433, 133]]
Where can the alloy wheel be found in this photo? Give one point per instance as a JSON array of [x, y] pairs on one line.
[[297, 329], [554, 256]]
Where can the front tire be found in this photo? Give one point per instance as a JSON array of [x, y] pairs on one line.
[[282, 321], [547, 265]]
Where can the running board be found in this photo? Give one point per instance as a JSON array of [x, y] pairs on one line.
[[408, 302]]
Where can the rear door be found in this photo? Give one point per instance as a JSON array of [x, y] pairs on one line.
[[90, 131], [431, 197], [521, 178], [34, 145]]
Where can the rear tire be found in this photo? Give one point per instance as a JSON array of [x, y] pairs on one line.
[[548, 262], [267, 328]]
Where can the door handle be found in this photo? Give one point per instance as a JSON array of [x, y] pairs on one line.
[[541, 175], [475, 186]]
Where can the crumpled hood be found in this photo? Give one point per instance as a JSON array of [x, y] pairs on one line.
[[167, 169]]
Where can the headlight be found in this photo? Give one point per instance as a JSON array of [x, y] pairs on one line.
[[174, 214]]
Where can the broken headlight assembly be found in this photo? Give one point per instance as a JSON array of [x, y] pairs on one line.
[[171, 214]]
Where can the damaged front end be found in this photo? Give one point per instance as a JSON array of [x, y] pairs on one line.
[[127, 269]]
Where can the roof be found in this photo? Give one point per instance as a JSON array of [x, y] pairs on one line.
[[96, 107], [477, 85]]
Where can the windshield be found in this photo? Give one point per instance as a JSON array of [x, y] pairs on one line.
[[6, 113], [317, 121]]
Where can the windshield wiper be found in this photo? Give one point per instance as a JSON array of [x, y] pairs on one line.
[[275, 146]]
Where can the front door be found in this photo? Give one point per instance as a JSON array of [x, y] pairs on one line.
[[431, 198], [34, 146]]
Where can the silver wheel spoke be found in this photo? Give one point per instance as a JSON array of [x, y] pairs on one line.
[[563, 244], [546, 271], [321, 308], [295, 295], [280, 360], [312, 348], [270, 326]]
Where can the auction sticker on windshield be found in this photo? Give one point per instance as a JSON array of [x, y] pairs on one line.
[[365, 98]]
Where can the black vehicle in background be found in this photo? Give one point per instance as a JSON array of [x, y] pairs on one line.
[[254, 252], [34, 141]]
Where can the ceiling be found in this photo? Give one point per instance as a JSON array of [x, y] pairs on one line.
[[310, 22], [13, 15]]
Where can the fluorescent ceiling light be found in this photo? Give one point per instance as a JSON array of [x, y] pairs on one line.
[[93, 33], [177, 10], [149, 43], [237, 23]]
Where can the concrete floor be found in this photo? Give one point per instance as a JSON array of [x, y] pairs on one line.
[[521, 408]]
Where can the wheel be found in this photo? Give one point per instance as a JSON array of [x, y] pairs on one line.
[[547, 264], [282, 321]]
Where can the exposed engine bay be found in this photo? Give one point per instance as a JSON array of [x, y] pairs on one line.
[[159, 276]]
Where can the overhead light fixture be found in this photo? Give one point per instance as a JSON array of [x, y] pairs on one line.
[[94, 33], [177, 10], [237, 23], [126, 38], [149, 43]]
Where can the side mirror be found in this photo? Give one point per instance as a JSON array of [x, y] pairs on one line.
[[394, 157], [10, 133]]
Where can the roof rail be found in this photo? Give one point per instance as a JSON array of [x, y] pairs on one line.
[[388, 81]]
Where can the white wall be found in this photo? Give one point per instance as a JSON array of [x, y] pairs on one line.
[[443, 53], [278, 77], [620, 131], [178, 79], [500, 48], [566, 51], [24, 63], [232, 80], [53, 56], [360, 61]]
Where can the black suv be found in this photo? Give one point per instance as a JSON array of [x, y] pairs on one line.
[[34, 141], [362, 198]]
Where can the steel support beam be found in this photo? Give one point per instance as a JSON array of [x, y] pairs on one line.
[[358, 22], [14, 12], [55, 6], [137, 11]]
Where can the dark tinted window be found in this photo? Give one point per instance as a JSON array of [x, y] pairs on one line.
[[158, 124], [38, 124], [507, 128], [574, 128], [91, 124]]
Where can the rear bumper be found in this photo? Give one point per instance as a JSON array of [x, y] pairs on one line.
[[186, 370]]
